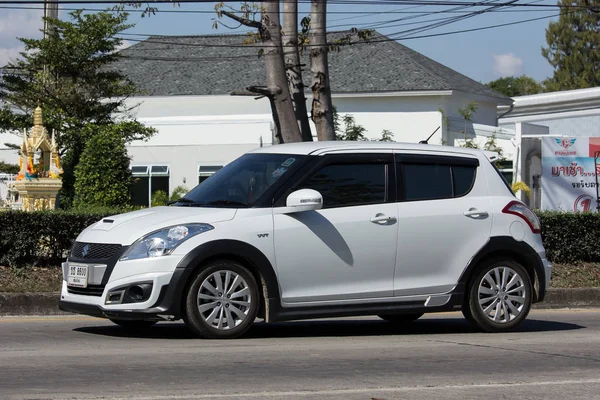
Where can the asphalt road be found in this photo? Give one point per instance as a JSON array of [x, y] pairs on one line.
[[554, 355]]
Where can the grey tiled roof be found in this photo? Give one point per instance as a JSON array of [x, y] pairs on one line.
[[200, 65]]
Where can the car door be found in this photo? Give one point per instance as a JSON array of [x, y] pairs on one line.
[[444, 216], [347, 249]]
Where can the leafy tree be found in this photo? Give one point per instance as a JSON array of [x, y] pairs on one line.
[[387, 136], [467, 112], [68, 74], [9, 168], [103, 178], [516, 86], [574, 46]]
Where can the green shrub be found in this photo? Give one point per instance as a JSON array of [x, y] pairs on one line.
[[43, 237], [102, 177], [159, 198], [571, 237]]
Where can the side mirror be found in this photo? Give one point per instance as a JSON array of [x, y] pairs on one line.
[[304, 200]]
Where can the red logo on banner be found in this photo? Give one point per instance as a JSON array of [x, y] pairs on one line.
[[583, 203], [594, 145]]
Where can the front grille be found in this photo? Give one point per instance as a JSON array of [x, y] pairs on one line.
[[91, 290], [95, 251]]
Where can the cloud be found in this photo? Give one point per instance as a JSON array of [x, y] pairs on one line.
[[20, 23], [124, 44], [17, 23], [9, 54], [507, 64]]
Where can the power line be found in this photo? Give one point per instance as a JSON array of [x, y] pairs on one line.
[[387, 39], [447, 3]]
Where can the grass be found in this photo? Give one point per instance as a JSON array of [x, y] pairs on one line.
[[35, 279]]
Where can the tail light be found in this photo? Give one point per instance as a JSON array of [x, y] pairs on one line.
[[521, 210]]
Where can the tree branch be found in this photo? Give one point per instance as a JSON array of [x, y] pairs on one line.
[[243, 21]]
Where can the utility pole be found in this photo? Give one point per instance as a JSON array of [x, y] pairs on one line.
[[50, 11]]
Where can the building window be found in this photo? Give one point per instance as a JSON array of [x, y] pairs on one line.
[[206, 171], [506, 169], [147, 180]]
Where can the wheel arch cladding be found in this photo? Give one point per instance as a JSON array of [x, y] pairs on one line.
[[506, 247], [247, 255]]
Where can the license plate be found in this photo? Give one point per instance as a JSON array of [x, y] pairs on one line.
[[78, 275]]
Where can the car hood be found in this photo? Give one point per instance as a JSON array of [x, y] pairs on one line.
[[129, 227]]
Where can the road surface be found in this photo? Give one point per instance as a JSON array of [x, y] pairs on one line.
[[554, 355]]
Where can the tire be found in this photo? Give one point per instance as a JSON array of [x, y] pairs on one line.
[[209, 311], [498, 308], [133, 325], [401, 318]]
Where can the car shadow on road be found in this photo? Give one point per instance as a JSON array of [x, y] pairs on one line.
[[331, 328]]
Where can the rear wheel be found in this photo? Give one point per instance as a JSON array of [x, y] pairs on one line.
[[401, 318], [222, 301], [499, 296]]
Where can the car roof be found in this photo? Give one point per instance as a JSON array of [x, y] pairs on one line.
[[316, 148]]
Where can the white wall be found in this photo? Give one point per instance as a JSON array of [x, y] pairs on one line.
[[214, 130]]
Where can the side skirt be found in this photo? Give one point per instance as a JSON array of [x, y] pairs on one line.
[[280, 314]]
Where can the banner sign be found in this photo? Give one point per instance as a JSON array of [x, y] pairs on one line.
[[569, 173]]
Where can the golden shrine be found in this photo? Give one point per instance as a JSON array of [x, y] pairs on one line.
[[38, 181]]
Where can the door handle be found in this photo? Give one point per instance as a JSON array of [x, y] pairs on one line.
[[473, 212], [381, 218]]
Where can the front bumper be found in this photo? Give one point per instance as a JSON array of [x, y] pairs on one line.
[[150, 314]]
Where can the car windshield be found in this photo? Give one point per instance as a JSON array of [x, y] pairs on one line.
[[242, 182]]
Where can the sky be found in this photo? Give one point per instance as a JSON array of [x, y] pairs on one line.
[[482, 55]]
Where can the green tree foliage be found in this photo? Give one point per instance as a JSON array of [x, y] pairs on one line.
[[351, 131], [103, 178], [178, 192], [516, 86], [9, 168], [159, 198], [68, 74], [574, 46]]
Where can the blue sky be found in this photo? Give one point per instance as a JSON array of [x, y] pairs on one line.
[[483, 55]]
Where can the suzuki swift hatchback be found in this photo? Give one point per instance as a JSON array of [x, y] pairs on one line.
[[311, 230]]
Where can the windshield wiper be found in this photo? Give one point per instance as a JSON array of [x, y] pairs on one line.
[[223, 203], [181, 200]]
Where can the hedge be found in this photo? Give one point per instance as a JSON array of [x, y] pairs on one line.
[[44, 238], [571, 237]]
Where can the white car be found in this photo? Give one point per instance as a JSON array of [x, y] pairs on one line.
[[313, 230]]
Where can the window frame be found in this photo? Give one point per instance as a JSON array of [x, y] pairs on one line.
[[403, 159], [319, 162], [207, 165]]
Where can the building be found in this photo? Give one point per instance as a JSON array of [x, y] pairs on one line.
[[569, 113], [187, 83]]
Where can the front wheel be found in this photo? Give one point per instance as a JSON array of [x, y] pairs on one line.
[[222, 301], [499, 296]]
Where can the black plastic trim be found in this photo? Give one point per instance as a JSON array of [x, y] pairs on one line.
[[509, 247], [172, 300], [110, 263], [436, 159], [150, 314], [280, 314]]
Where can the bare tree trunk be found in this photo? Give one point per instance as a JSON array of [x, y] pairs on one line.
[[277, 86], [293, 68], [322, 106]]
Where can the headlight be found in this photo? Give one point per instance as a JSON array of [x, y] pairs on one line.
[[163, 242]]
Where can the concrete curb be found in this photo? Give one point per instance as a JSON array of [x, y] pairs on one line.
[[47, 303]]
